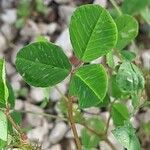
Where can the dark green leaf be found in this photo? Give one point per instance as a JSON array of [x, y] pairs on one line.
[[3, 126], [93, 32], [3, 87], [42, 64], [127, 30], [120, 114], [89, 84], [134, 6], [126, 137]]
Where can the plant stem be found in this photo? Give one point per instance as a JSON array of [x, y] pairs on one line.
[[18, 129], [110, 144], [41, 114], [72, 123], [113, 2]]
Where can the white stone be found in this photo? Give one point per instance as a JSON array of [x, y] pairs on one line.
[[58, 132], [69, 134], [103, 3], [3, 44], [37, 94], [66, 12], [34, 120], [10, 70], [10, 16], [146, 59], [51, 28], [7, 31], [64, 41], [15, 81], [62, 1], [30, 29], [19, 104], [38, 133], [56, 147]]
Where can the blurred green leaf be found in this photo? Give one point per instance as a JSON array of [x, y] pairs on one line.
[[3, 126], [127, 30], [129, 78], [145, 14], [120, 114], [89, 140], [127, 55], [110, 60], [126, 137], [134, 6]]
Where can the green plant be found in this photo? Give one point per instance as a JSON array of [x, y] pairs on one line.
[[93, 33]]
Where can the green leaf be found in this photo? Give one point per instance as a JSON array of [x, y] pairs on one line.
[[2, 144], [134, 6], [3, 87], [115, 91], [110, 60], [89, 84], [3, 126], [127, 30], [42, 64], [93, 32], [90, 140], [120, 114], [127, 55], [126, 137], [105, 102], [145, 14], [129, 78], [11, 98]]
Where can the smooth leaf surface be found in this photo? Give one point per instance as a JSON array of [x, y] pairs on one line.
[[3, 126], [129, 78], [42, 64], [93, 32], [3, 87], [120, 114], [145, 14], [126, 137], [127, 30], [89, 84], [134, 6]]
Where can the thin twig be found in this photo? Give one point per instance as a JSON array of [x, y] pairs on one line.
[[18, 129], [110, 144], [41, 114], [72, 123]]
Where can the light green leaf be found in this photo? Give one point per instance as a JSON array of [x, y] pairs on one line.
[[3, 126], [90, 140], [134, 6], [3, 87], [93, 32], [89, 84], [2, 144], [110, 60], [127, 55], [120, 114], [115, 91], [126, 137], [129, 78], [42, 64], [127, 30], [145, 14]]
